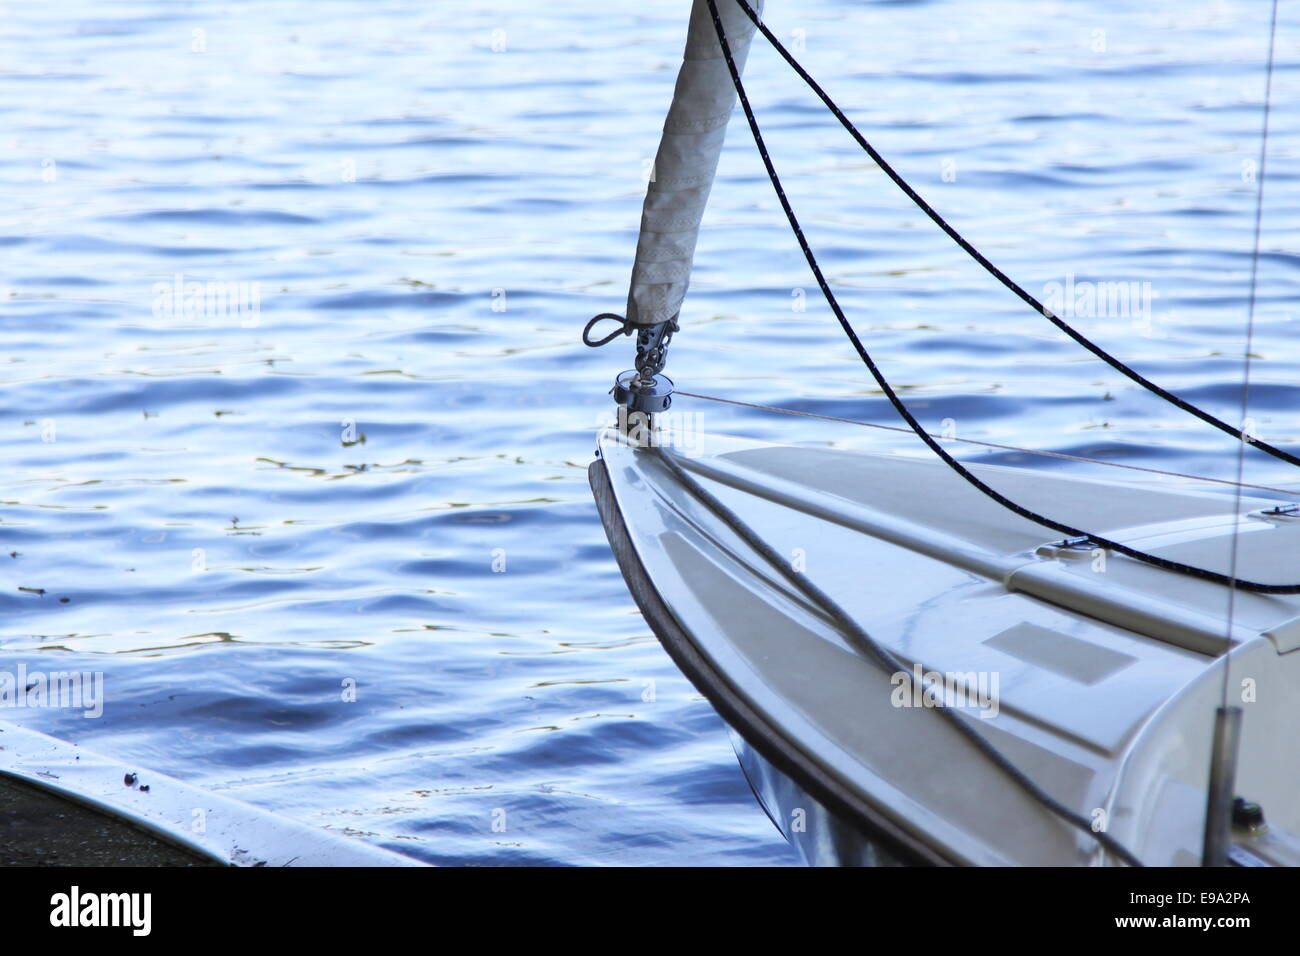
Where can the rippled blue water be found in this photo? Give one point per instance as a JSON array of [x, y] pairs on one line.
[[243, 511]]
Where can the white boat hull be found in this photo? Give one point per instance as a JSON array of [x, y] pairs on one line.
[[1097, 676], [201, 824]]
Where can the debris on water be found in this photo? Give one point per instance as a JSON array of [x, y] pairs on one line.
[[33, 590]]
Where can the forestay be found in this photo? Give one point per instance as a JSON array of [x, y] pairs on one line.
[[685, 164]]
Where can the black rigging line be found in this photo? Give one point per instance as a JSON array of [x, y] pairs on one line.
[[997, 273], [902, 409]]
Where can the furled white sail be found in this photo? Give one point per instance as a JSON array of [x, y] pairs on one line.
[[686, 162]]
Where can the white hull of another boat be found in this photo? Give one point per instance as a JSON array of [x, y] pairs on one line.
[[1096, 675], [81, 788]]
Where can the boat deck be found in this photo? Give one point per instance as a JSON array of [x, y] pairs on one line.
[[41, 828]]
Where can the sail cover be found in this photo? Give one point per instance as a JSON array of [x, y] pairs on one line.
[[686, 162]]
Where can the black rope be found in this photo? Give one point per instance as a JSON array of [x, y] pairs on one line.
[[890, 663], [902, 409], [997, 273], [625, 328]]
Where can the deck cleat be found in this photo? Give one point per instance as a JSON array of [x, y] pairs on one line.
[[1081, 546], [1288, 509]]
